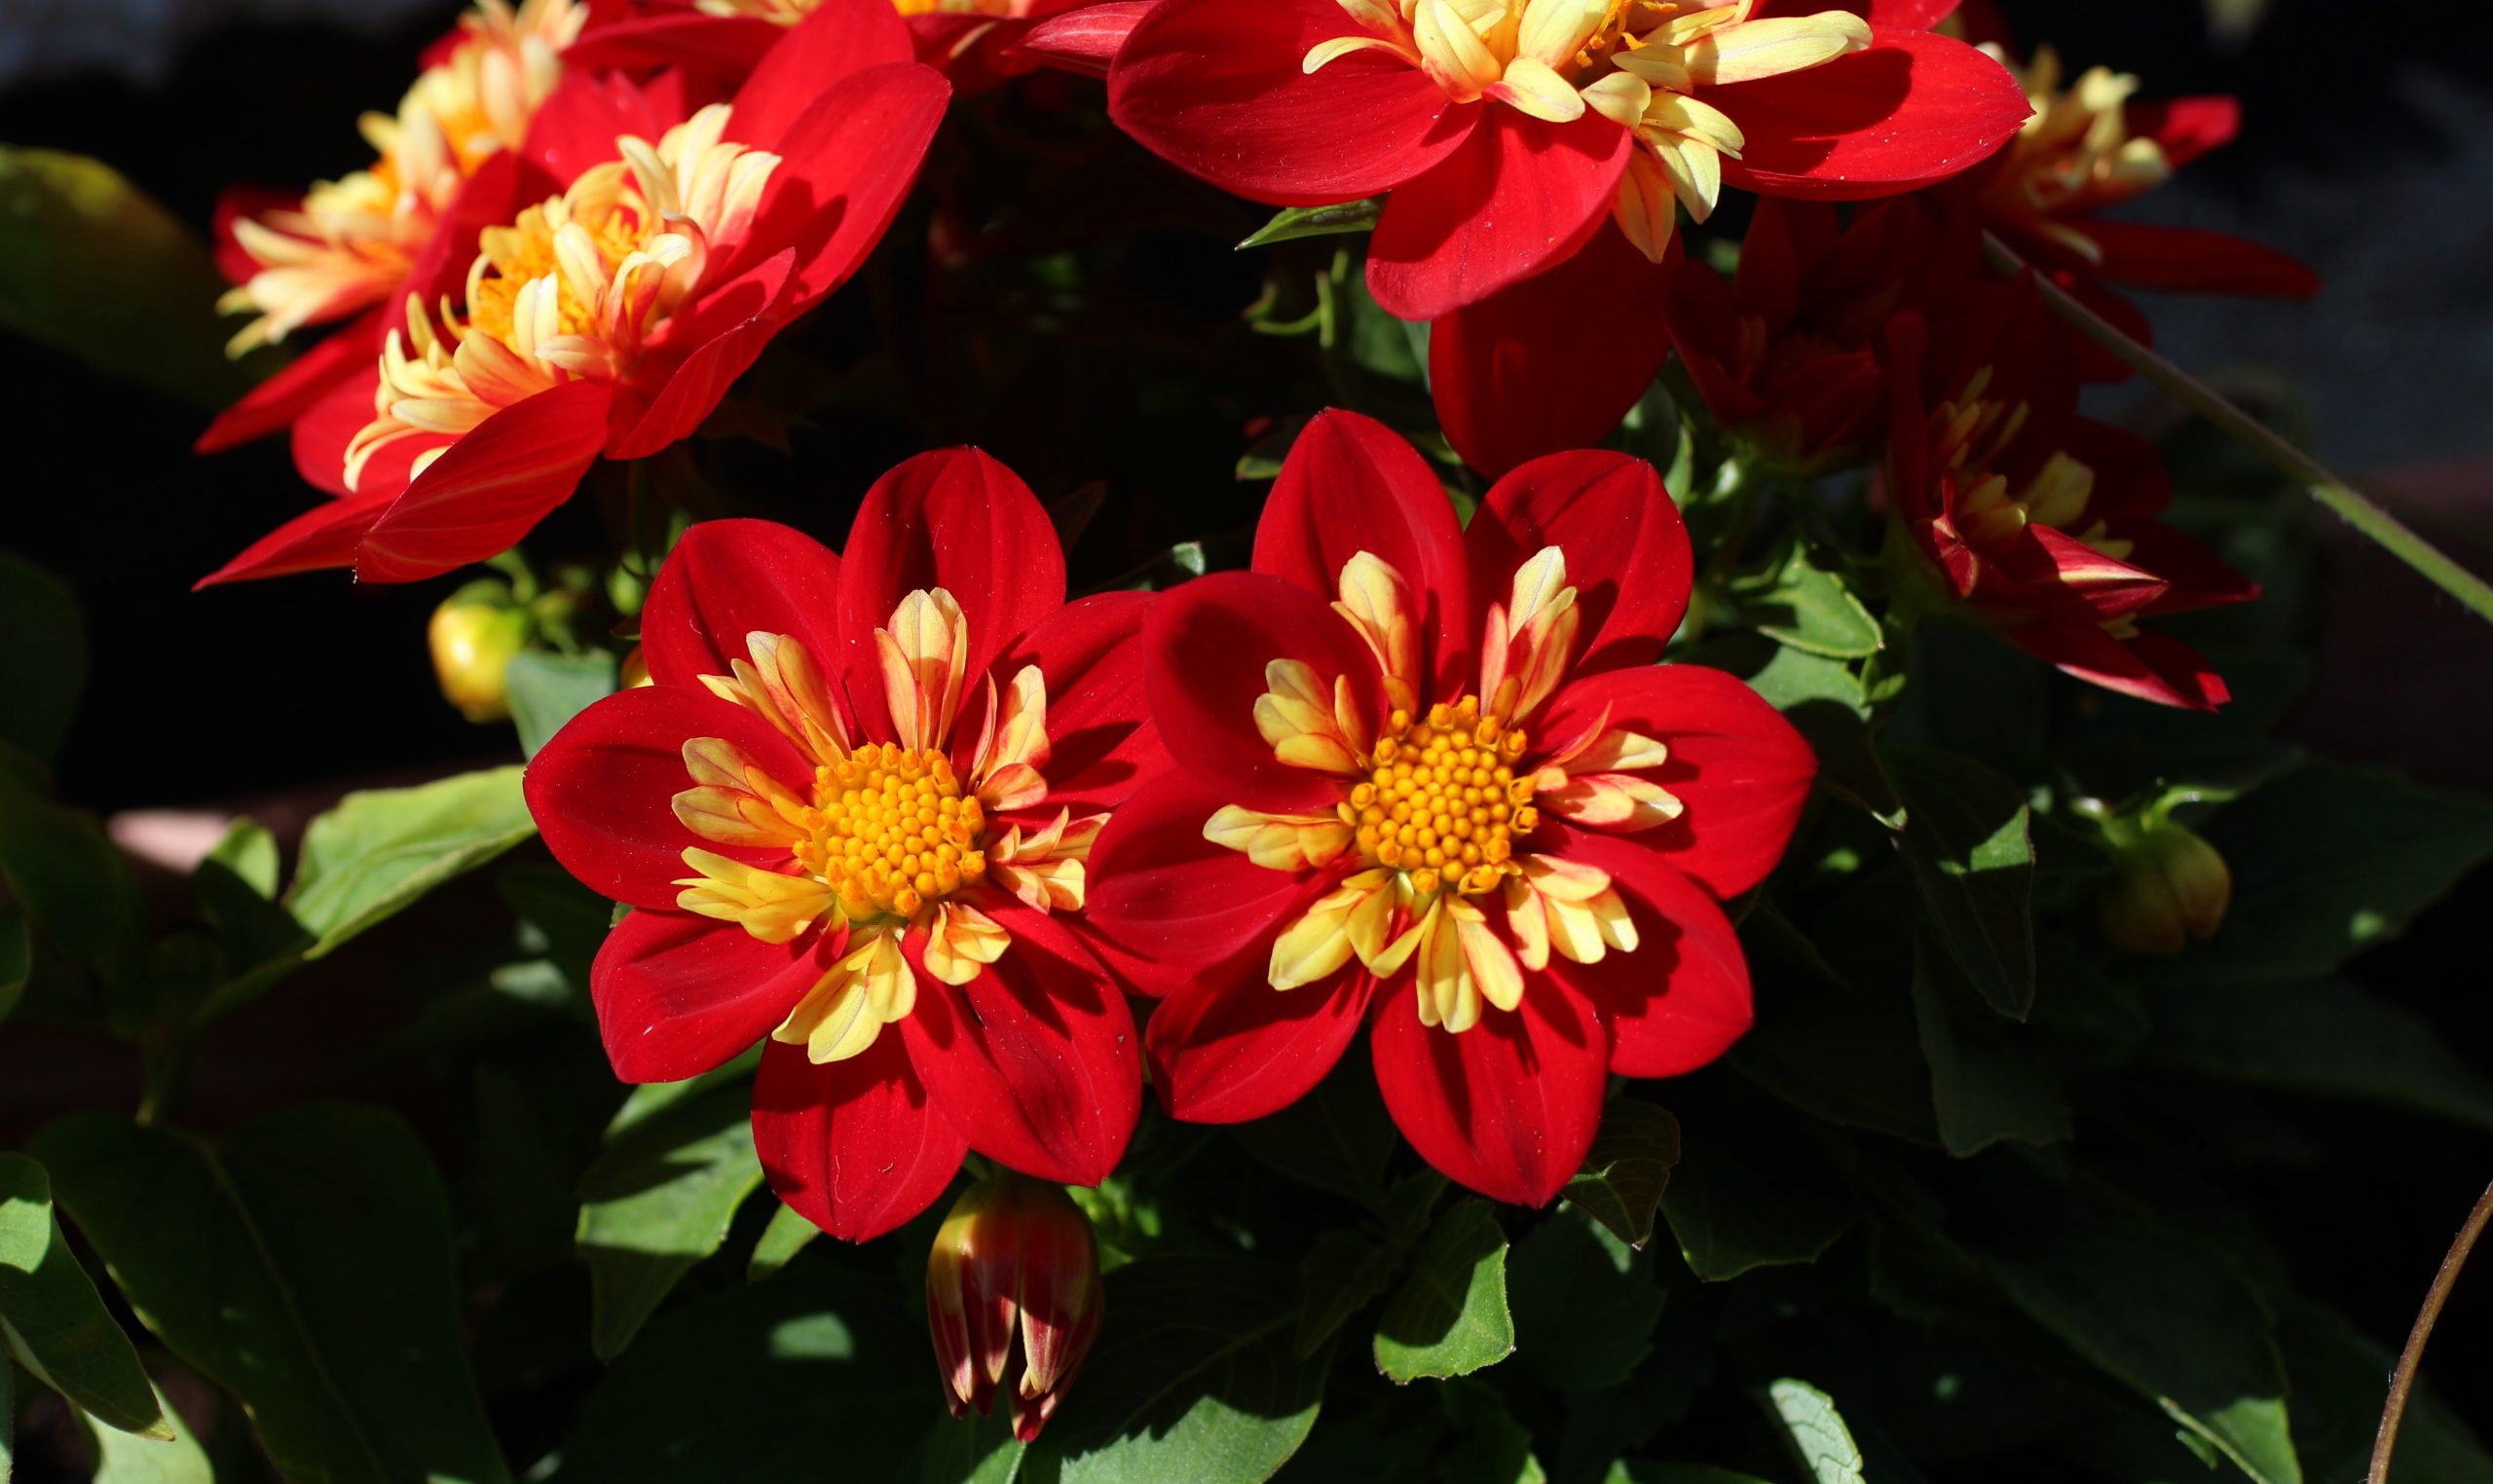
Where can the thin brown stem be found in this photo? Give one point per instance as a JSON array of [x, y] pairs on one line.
[[2401, 1382]]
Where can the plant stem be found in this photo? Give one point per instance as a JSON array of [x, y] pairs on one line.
[[2401, 1382], [2349, 504]]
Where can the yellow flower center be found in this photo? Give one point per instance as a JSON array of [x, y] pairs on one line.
[[891, 831], [1443, 801], [512, 257]]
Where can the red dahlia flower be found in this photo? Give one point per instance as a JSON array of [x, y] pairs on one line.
[[1506, 854], [974, 42], [2039, 520], [1506, 130], [851, 814], [1785, 352], [351, 246], [610, 316]]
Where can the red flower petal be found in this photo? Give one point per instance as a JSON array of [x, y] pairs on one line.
[[841, 38], [727, 329], [729, 578], [1627, 552], [1914, 107], [1085, 39], [2150, 666], [1034, 1060], [603, 791], [678, 995], [1100, 740], [1224, 1053], [1682, 998], [955, 519], [1517, 199], [578, 122], [1168, 910], [1910, 15], [1216, 89], [1348, 484], [2187, 260], [347, 354], [1742, 770], [849, 160], [490, 488], [322, 430], [1533, 369], [723, 46], [2185, 128], [1206, 650], [239, 203], [856, 1147], [1507, 1108], [324, 537]]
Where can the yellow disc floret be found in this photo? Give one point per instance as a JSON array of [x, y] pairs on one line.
[[1443, 801], [892, 831]]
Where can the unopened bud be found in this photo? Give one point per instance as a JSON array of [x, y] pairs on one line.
[[474, 635], [2167, 887], [1013, 1298]]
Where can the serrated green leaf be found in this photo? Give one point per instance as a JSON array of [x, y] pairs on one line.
[[2324, 1039], [43, 657], [1820, 1442], [1342, 1274], [379, 852], [1627, 1169], [1291, 223], [90, 265], [1802, 603], [1752, 1191], [1450, 1318], [125, 1458], [2327, 861], [658, 1201], [779, 1243], [1965, 835], [300, 1261], [1984, 1088], [52, 1318], [1192, 1379], [547, 690], [1585, 1303]]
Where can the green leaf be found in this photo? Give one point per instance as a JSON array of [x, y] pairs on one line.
[[17, 956], [2341, 1382], [235, 887], [1294, 222], [658, 1200], [1627, 1169], [7, 1418], [547, 690], [1449, 1318], [379, 851], [2324, 1039], [781, 1241], [54, 1321], [69, 880], [90, 265], [1337, 1137], [2157, 1310], [1342, 1274], [1965, 838], [302, 1262], [125, 1457], [2327, 861], [1983, 1086], [1495, 1449], [1586, 1304], [1843, 1054], [818, 1376], [977, 1450], [1752, 1191], [1192, 1379], [1802, 602], [1638, 1472], [43, 652], [1815, 1431]]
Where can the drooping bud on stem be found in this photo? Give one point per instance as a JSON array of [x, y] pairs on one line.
[[474, 635], [1013, 1298]]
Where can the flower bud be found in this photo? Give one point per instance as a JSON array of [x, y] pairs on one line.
[[474, 635], [2167, 887], [1013, 1298]]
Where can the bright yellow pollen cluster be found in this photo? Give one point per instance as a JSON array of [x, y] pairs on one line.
[[1443, 801], [894, 831], [524, 251]]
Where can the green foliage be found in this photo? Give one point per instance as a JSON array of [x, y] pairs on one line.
[[71, 883], [125, 1457], [1753, 1192], [1450, 1318], [1966, 836], [379, 851], [548, 690], [52, 1319], [1627, 1169], [658, 1201], [302, 1262], [1585, 1303], [43, 657], [1821, 1441]]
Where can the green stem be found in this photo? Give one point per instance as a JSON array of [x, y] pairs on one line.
[[2356, 509], [2401, 1382]]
